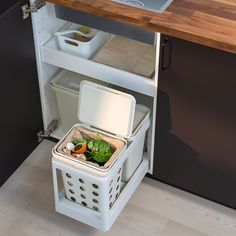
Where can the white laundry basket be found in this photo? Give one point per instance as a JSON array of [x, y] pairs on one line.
[[92, 187], [67, 86]]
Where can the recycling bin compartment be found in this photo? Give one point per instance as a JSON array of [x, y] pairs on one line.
[[92, 186], [67, 86]]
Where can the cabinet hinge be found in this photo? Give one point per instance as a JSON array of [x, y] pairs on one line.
[[26, 9], [46, 133]]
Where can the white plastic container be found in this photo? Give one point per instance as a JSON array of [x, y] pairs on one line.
[[110, 112], [70, 43], [115, 114], [135, 155], [90, 191], [67, 86]]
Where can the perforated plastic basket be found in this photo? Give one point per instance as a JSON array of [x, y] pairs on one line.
[[90, 192], [95, 187], [92, 183]]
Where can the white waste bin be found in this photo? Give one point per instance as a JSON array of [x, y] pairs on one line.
[[113, 114], [67, 86]]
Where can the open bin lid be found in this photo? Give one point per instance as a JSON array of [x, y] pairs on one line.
[[106, 108], [110, 110]]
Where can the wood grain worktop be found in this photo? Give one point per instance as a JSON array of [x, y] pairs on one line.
[[208, 22]]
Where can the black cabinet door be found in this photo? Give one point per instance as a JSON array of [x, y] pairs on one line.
[[20, 116], [6, 5], [195, 145]]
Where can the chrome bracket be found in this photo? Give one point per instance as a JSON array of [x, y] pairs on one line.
[[26, 9], [46, 133]]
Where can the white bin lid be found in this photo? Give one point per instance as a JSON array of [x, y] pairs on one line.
[[107, 109], [70, 81]]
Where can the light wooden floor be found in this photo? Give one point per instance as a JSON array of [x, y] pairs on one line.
[[27, 208]]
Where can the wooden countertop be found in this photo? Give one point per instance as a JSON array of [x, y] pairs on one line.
[[208, 22]]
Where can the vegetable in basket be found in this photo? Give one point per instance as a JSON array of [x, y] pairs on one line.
[[97, 150], [100, 150]]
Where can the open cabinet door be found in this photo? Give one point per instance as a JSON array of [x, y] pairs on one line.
[[21, 116]]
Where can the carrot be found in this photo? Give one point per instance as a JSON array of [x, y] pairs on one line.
[[82, 150]]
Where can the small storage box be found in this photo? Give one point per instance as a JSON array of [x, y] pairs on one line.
[[80, 44], [67, 86], [115, 115]]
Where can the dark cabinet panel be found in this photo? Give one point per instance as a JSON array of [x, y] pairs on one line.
[[6, 5], [195, 145], [21, 116]]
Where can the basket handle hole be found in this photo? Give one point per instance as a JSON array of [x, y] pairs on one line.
[[71, 191], [69, 183], [82, 188], [95, 208], [73, 199], [95, 193], [110, 205], [95, 186], [95, 200], [71, 43], [68, 175]]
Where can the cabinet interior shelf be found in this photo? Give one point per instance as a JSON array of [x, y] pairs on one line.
[[51, 54]]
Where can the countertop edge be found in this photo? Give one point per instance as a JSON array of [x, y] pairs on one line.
[[147, 23]]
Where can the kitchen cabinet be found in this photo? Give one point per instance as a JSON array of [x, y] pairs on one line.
[[195, 127], [50, 62], [21, 117], [191, 108], [5, 6]]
